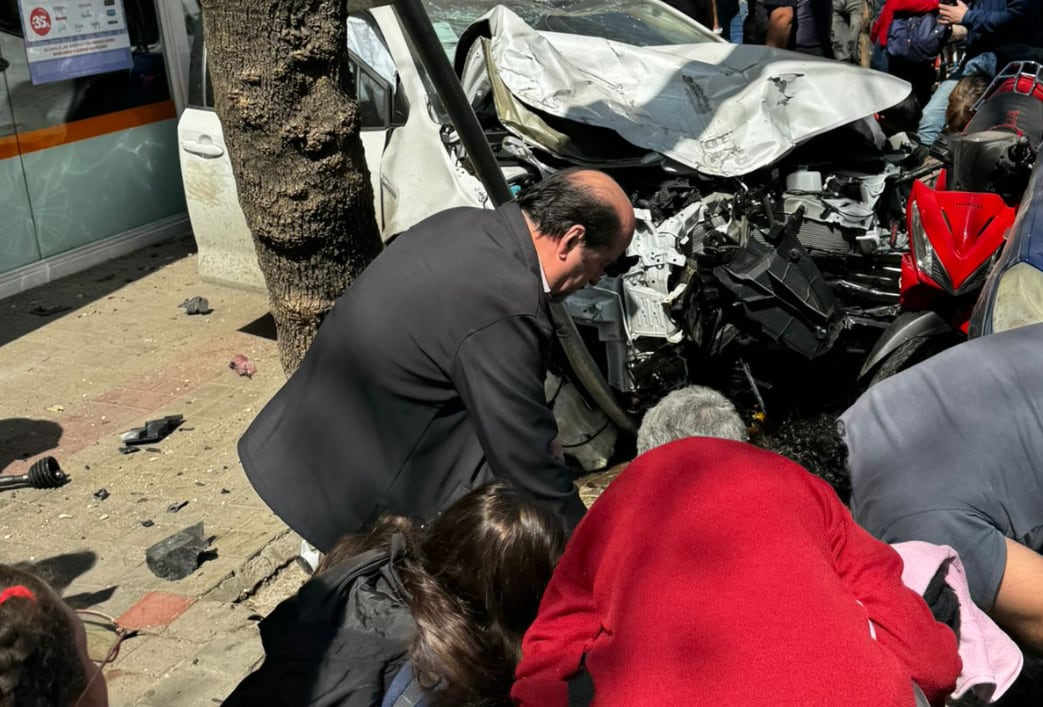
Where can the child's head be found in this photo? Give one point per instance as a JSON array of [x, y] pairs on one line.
[[966, 92], [474, 578], [43, 648], [495, 548]]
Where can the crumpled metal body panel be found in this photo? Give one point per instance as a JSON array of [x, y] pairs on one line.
[[722, 109]]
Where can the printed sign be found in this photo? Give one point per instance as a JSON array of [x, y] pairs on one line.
[[65, 39]]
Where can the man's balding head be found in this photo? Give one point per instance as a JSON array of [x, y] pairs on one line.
[[580, 196], [580, 221]]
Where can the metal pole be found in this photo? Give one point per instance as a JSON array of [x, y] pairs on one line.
[[418, 28]]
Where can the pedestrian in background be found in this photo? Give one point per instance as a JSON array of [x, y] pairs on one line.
[[800, 25], [850, 29], [990, 24]]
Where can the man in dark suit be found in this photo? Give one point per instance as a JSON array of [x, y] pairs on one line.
[[426, 379]]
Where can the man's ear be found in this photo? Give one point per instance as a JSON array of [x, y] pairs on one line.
[[571, 239]]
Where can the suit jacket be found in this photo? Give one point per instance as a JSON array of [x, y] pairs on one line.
[[714, 569], [425, 381]]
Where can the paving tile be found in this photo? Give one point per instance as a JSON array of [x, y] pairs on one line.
[[135, 398], [235, 654], [153, 654], [155, 610], [187, 685], [207, 619], [126, 687]]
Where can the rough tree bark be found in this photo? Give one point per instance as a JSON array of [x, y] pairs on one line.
[[286, 98]]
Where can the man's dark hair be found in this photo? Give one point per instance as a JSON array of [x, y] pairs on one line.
[[561, 201]]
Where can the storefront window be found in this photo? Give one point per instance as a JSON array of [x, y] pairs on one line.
[[46, 105]]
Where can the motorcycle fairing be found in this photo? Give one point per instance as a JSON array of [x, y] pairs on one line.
[[964, 230]]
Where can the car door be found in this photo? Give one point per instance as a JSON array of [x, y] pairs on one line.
[[226, 250]]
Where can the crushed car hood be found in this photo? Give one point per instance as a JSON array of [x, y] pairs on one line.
[[719, 108]]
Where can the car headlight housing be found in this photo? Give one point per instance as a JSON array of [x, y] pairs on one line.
[[1019, 298]]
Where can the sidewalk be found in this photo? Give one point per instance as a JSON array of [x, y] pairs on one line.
[[72, 381]]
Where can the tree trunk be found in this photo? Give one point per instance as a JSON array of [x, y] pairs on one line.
[[285, 94]]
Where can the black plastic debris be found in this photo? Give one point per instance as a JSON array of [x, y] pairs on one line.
[[153, 431], [179, 555], [154, 450], [101, 494], [148, 523], [196, 305], [225, 491], [45, 473], [175, 507], [43, 310], [128, 450]]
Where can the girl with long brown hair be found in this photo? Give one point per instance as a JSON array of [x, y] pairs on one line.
[[431, 613]]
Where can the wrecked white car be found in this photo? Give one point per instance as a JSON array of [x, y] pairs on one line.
[[767, 209]]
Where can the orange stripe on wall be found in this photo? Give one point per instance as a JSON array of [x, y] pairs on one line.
[[65, 133]]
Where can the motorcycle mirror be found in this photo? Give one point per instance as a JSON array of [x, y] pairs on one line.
[[941, 150]]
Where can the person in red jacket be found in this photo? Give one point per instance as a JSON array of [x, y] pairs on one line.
[[714, 572], [921, 74]]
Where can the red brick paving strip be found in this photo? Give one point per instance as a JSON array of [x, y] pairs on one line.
[[155, 609]]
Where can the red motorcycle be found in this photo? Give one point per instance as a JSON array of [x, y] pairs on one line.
[[957, 228]]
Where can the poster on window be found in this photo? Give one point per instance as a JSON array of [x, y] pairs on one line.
[[66, 39]]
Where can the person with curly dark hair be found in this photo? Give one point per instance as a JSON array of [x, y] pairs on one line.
[[43, 648], [414, 614]]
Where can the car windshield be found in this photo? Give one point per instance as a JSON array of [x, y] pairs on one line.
[[639, 22]]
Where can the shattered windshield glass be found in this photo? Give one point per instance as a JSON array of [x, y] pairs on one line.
[[638, 22]]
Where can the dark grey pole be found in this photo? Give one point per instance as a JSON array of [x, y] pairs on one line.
[[417, 26]]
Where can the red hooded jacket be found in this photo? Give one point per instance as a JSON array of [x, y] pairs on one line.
[[878, 32], [713, 572]]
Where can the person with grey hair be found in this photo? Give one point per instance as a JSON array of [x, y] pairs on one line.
[[695, 411]]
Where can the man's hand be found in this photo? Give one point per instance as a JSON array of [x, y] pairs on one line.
[[952, 14]]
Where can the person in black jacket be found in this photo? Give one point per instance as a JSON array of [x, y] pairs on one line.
[[426, 379], [408, 614]]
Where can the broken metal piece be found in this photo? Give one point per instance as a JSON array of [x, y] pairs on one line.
[[44, 473], [148, 523], [153, 430], [101, 494], [128, 450], [175, 507], [177, 556], [43, 310], [196, 305]]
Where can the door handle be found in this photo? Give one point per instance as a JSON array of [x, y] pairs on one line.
[[204, 147]]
